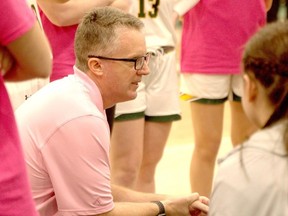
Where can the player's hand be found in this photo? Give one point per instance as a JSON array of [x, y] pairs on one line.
[[200, 207]]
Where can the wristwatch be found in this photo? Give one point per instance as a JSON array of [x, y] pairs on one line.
[[161, 208]]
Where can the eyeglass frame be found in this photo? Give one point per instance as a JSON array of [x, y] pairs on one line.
[[145, 57]]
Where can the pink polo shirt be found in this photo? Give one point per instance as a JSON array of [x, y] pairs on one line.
[[66, 140]]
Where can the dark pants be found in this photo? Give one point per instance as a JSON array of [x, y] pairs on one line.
[[110, 117]]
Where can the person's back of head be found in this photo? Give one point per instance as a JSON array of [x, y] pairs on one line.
[[266, 59], [98, 33]]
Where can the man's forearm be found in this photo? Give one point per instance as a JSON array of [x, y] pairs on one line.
[[121, 194], [140, 203], [132, 209]]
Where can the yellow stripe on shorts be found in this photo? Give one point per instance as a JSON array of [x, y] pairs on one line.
[[187, 97]]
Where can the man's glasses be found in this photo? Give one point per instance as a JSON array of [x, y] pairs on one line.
[[138, 62]]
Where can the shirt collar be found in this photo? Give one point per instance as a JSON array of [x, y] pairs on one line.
[[91, 87], [269, 139]]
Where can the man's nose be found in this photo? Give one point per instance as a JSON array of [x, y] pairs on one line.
[[145, 70]]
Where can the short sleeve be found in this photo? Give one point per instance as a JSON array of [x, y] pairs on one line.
[[15, 20]]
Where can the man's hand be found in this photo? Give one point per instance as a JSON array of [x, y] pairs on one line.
[[190, 205]]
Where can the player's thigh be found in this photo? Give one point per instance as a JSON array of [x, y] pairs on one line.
[[209, 93], [207, 120], [127, 143]]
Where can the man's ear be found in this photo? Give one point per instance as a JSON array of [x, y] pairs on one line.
[[250, 87], [94, 65]]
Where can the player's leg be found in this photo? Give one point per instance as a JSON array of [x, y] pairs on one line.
[[163, 107], [126, 151], [207, 120], [155, 138], [241, 127], [127, 140]]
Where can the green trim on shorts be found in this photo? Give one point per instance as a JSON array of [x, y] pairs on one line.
[[130, 116], [138, 115], [210, 101], [167, 118], [236, 98]]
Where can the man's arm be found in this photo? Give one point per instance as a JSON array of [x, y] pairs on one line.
[[141, 203], [182, 207], [70, 12], [122, 194], [31, 55]]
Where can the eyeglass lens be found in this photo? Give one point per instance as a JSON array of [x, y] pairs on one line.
[[140, 62]]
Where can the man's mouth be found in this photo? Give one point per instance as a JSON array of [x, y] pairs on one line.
[[136, 82]]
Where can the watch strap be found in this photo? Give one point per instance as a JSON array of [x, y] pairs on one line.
[[161, 208]]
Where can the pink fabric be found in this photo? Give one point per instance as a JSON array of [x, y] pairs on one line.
[[16, 19], [15, 195], [66, 141], [62, 43], [214, 32]]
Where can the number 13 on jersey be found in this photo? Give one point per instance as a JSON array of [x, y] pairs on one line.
[[152, 11]]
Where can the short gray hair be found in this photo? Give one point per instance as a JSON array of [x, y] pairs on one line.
[[98, 32]]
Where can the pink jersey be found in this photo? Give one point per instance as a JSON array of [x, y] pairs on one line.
[[214, 32], [62, 43], [66, 140], [15, 196]]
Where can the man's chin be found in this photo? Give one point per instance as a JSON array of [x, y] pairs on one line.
[[129, 98]]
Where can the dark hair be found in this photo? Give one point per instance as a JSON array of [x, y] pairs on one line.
[[266, 58]]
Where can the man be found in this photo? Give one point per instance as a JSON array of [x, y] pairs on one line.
[[60, 19], [65, 132]]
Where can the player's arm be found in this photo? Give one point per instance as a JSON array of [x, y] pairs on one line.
[[31, 56], [70, 12], [268, 4], [183, 6], [6, 60], [124, 5]]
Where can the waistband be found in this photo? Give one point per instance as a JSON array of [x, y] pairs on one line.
[[167, 49], [162, 50]]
